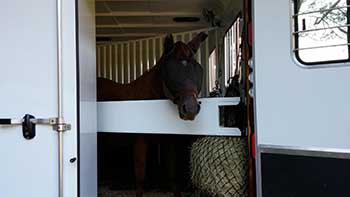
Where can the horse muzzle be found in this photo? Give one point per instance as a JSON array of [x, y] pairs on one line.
[[189, 110]]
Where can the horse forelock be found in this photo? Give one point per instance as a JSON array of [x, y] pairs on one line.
[[183, 51]]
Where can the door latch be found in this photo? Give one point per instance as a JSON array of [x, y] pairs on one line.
[[28, 123]]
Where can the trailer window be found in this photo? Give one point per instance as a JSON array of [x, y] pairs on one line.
[[321, 31]]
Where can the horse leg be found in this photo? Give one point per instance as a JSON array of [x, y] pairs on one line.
[[140, 152], [170, 165]]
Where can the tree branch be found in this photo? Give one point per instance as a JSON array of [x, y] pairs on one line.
[[325, 14]]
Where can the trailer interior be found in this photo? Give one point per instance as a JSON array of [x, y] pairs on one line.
[[129, 41]]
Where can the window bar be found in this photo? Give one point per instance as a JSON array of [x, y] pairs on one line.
[[319, 29], [319, 47], [319, 11]]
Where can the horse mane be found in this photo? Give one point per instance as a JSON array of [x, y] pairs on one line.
[[147, 86]]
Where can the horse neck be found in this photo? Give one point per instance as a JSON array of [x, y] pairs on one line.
[[149, 85]]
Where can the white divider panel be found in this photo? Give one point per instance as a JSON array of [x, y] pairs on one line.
[[162, 117]]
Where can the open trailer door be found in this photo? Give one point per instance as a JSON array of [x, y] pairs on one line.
[[301, 66], [38, 104]]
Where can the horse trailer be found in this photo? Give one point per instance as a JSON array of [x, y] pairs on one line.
[[260, 105]]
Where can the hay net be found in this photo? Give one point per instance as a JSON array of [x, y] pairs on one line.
[[219, 166]]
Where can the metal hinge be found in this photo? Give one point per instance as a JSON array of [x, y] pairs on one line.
[[28, 123]]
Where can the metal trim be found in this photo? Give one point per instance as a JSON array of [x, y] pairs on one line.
[[320, 47], [306, 151], [258, 180]]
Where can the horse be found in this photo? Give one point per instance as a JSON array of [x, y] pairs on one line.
[[176, 76]]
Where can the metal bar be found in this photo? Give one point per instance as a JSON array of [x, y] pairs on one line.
[[161, 35], [104, 62], [207, 63], [199, 56], [183, 37], [128, 62], [120, 73], [134, 57], [116, 62], [60, 158], [110, 62], [147, 54], [160, 46], [318, 29], [141, 61], [147, 13], [99, 61], [127, 35], [226, 59], [59, 96], [122, 62], [318, 47], [152, 25], [320, 11], [216, 53], [59, 55], [154, 51]]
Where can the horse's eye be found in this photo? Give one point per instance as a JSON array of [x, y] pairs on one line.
[[184, 62]]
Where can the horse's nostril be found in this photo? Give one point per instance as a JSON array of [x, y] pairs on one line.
[[198, 108]]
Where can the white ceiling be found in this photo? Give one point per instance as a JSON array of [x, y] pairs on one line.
[[133, 19]]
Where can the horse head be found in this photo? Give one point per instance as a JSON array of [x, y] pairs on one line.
[[182, 75]]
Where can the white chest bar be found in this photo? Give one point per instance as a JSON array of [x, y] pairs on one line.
[[161, 117]]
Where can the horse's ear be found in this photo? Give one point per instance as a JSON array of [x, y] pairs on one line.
[[196, 41], [168, 43]]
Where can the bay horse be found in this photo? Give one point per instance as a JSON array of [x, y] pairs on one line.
[[176, 76]]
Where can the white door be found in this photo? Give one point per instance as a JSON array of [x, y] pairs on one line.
[[28, 85], [300, 109]]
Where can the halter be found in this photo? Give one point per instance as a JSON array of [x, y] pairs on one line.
[[176, 97]]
